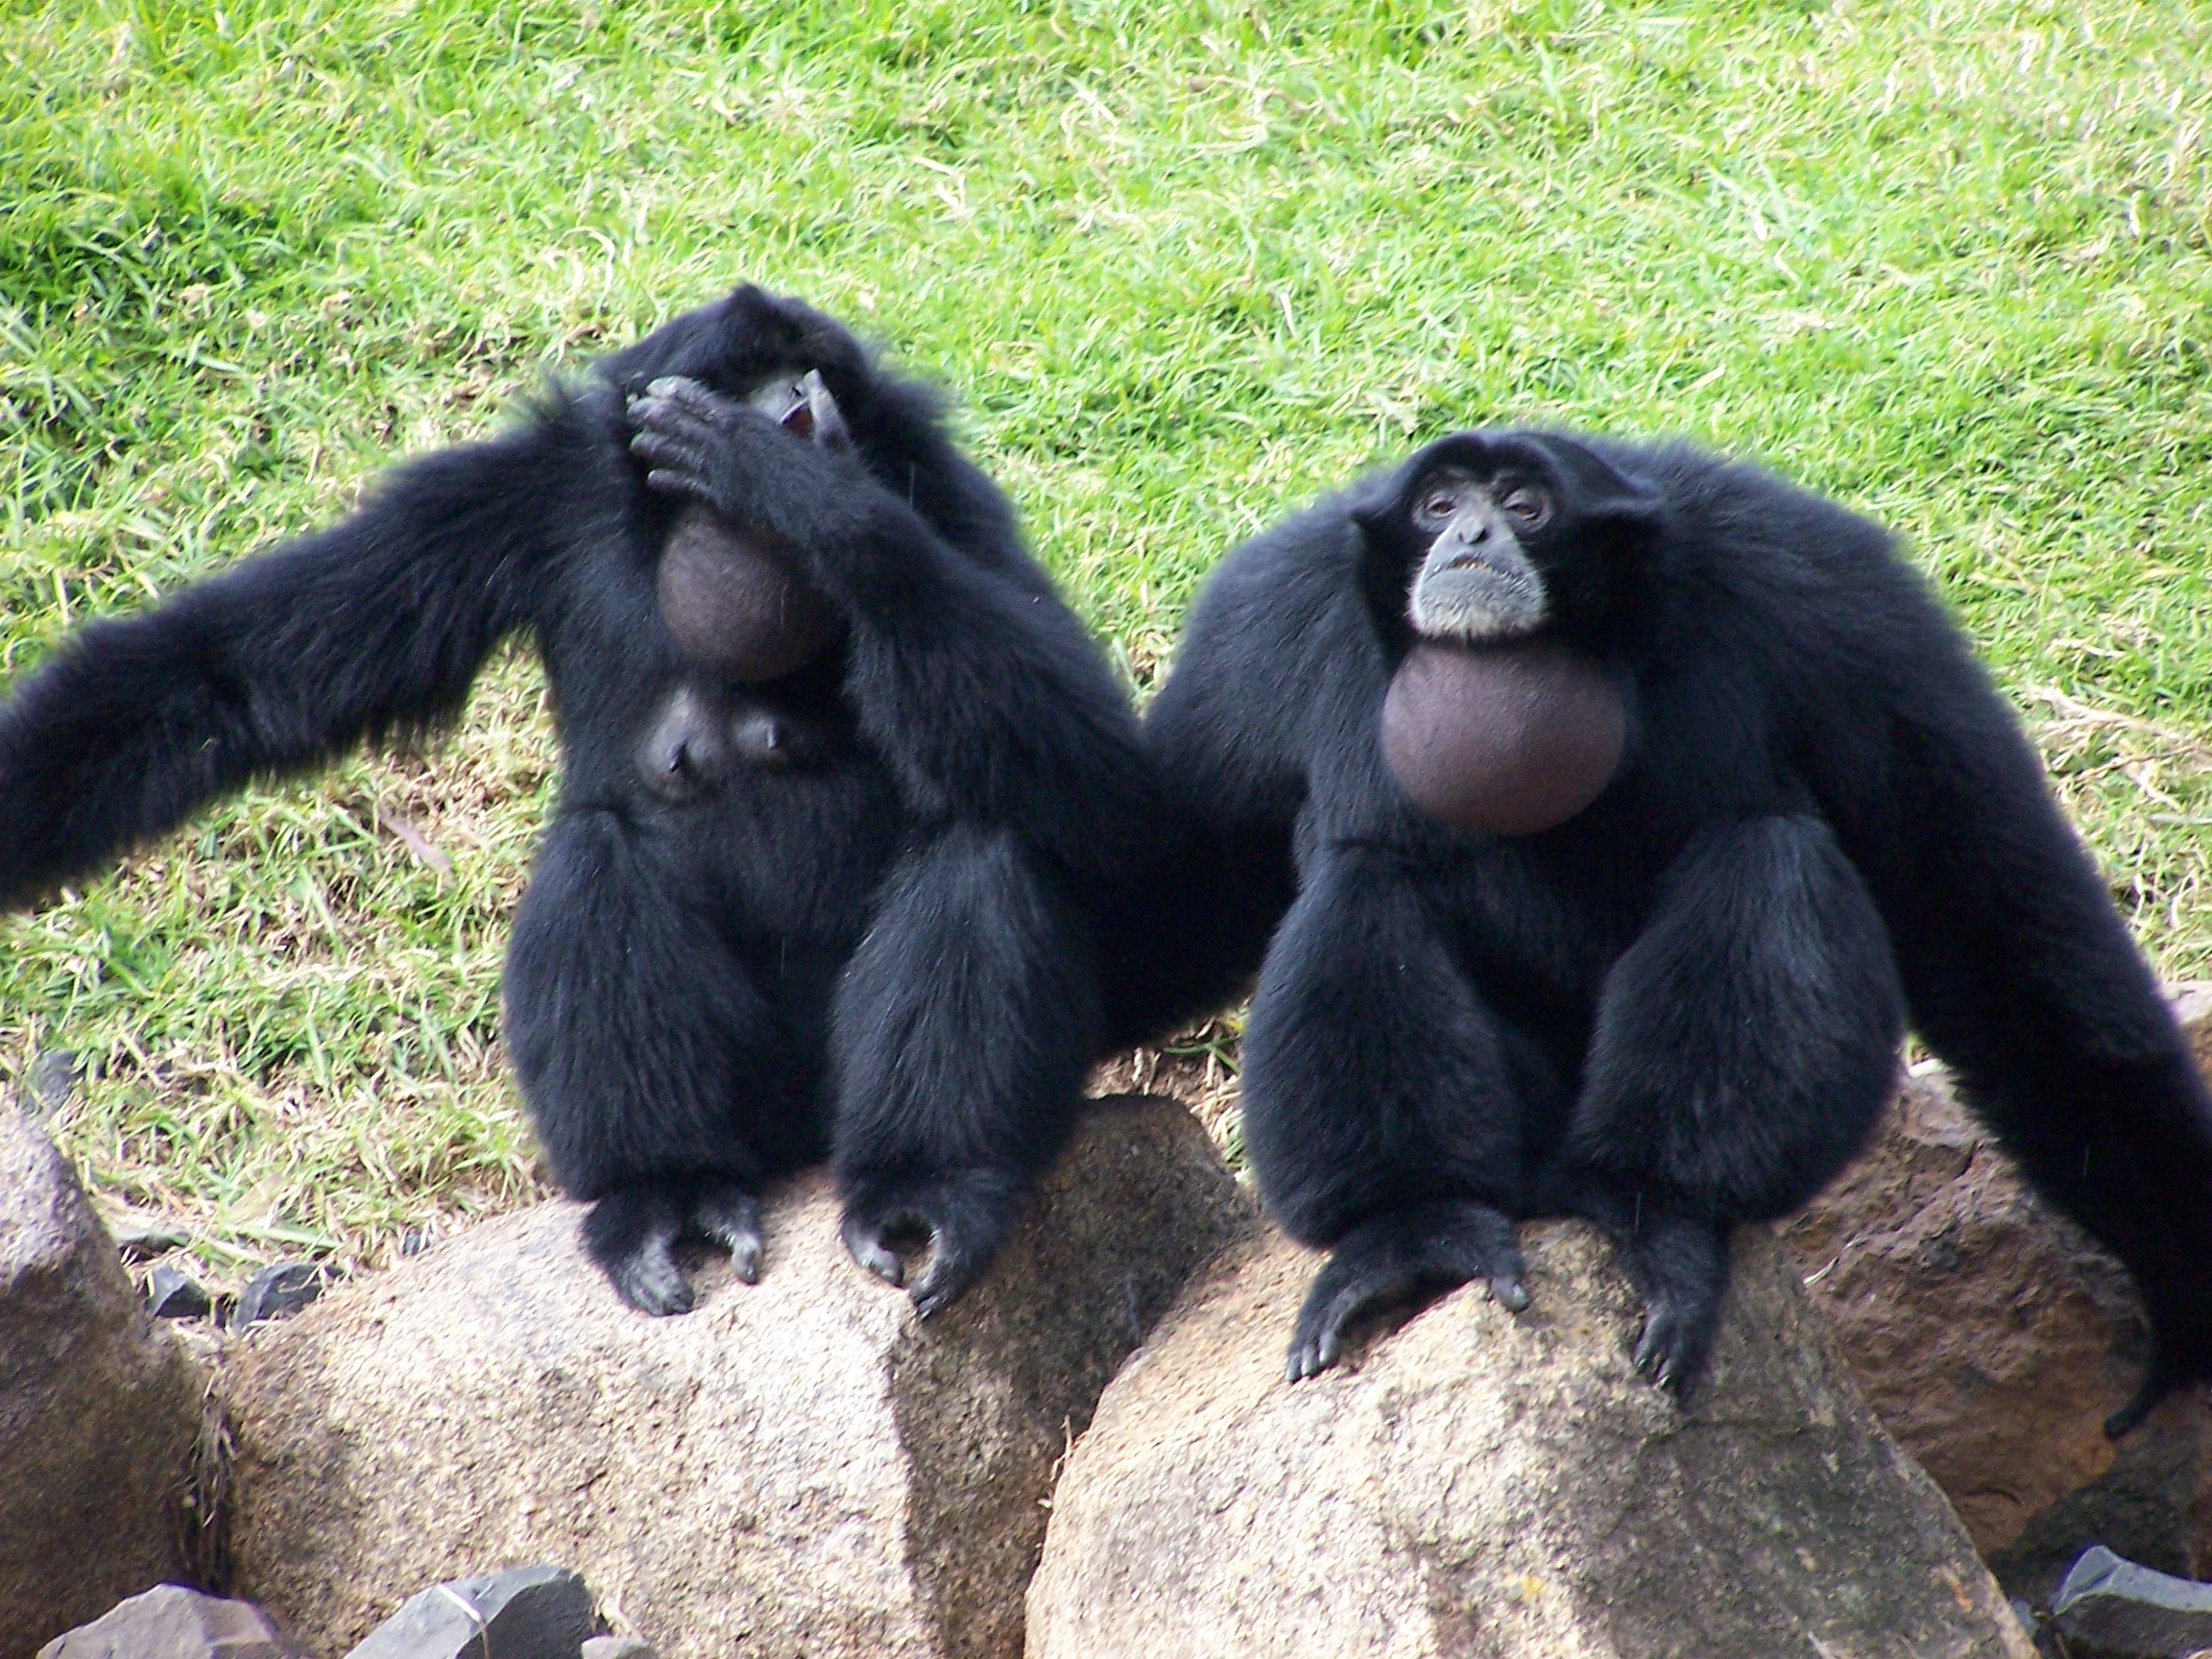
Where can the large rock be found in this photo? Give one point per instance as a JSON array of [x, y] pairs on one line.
[[1485, 1484], [1993, 1338], [796, 1467], [99, 1412], [170, 1622]]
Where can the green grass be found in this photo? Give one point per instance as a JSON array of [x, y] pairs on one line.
[[1184, 265]]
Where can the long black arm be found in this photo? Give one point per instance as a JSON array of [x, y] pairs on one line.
[[2020, 972], [375, 625]]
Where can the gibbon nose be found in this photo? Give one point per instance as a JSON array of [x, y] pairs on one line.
[[1470, 546]]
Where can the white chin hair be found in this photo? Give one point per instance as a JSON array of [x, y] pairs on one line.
[[1469, 621]]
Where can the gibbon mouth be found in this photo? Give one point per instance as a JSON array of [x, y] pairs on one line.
[[1484, 572], [1473, 598]]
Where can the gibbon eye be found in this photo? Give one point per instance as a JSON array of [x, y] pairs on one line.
[[1435, 507], [1527, 504]]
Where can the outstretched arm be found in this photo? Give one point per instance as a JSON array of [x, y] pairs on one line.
[[982, 692], [376, 624]]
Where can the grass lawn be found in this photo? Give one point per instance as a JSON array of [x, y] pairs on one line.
[[1184, 265]]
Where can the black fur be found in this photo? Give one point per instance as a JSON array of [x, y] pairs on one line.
[[887, 953], [1678, 1010]]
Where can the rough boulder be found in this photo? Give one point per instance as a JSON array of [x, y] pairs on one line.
[[1483, 1484], [1992, 1336], [797, 1467], [99, 1412]]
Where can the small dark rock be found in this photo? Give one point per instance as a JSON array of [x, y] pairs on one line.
[[170, 1622], [50, 1082], [523, 1613], [142, 1238], [171, 1295], [618, 1648], [2112, 1605], [2049, 1645], [414, 1240], [278, 1293]]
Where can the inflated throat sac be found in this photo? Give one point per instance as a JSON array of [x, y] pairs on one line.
[[1504, 739], [735, 605]]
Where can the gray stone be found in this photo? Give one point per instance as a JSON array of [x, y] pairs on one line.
[[140, 1236], [796, 1467], [50, 1082], [171, 1295], [170, 1622], [2116, 1606], [99, 1412], [618, 1648], [1479, 1483], [278, 1291], [523, 1613]]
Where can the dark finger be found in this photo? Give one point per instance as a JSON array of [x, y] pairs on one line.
[[699, 401]]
